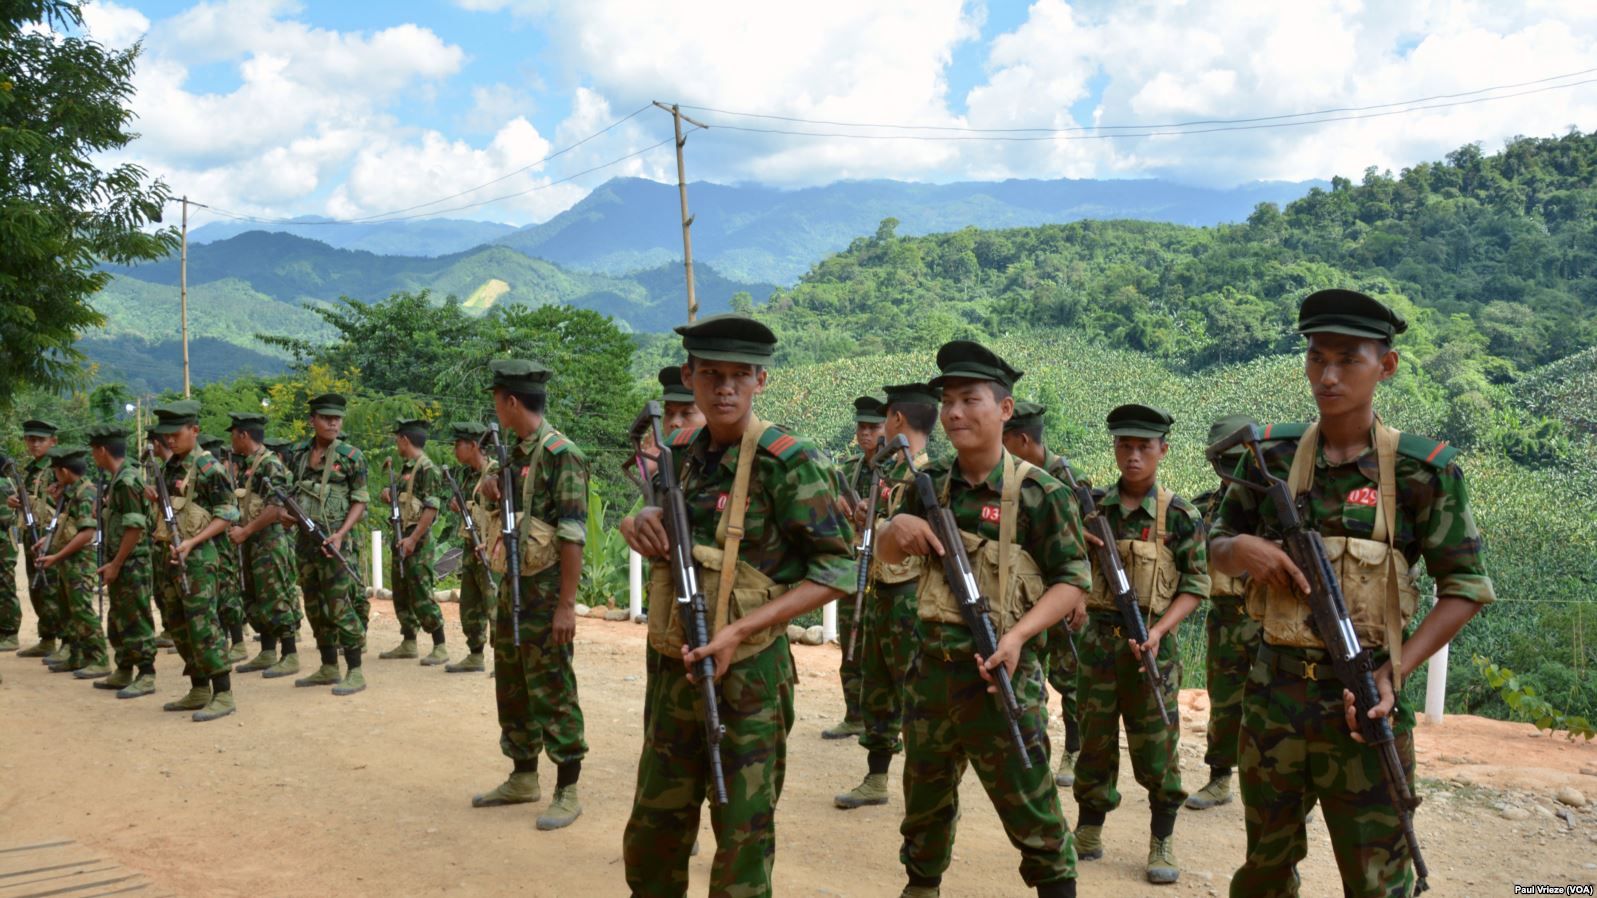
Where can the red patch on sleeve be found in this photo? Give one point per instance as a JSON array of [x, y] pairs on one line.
[[1367, 496], [990, 514], [525, 469]]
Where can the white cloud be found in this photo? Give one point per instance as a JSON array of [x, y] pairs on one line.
[[113, 25]]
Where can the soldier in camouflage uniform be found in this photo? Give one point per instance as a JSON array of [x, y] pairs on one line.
[[479, 586], [125, 518], [203, 501], [1023, 437], [870, 415], [1161, 542], [1382, 501], [534, 683], [886, 641], [1000, 505], [230, 582], [69, 556], [10, 529], [39, 437], [793, 557], [1232, 638], [420, 492], [329, 484], [264, 539]]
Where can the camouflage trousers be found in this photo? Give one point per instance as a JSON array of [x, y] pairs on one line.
[[270, 604], [756, 706], [950, 720], [886, 650], [229, 588], [414, 605], [192, 617], [47, 608], [535, 686], [129, 622], [10, 602], [329, 596], [1113, 691], [848, 671], [76, 578], [1060, 663], [478, 589], [1295, 748], [1232, 638]]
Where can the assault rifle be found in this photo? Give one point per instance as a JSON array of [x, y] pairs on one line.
[[1354, 664], [867, 541], [99, 545], [473, 538], [509, 530], [1113, 568], [314, 531], [973, 606], [690, 603], [170, 517], [397, 526], [30, 524]]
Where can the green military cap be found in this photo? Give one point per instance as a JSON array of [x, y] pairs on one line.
[[519, 376], [972, 361], [1139, 421], [729, 338], [1349, 312], [912, 394], [1225, 427], [410, 425], [37, 428], [277, 444], [1027, 414], [330, 404], [61, 456], [869, 410], [468, 430], [246, 419], [100, 434], [675, 390], [209, 441], [175, 416]]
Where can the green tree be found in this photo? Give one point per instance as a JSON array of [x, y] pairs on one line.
[[63, 101]]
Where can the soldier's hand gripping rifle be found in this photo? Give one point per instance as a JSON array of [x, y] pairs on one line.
[[99, 546], [867, 541], [509, 530], [395, 524], [690, 603], [30, 524], [164, 498], [1353, 663], [315, 532], [973, 606], [1113, 568], [473, 538]]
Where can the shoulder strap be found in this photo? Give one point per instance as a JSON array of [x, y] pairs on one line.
[[729, 533], [327, 470], [1008, 513], [1161, 510], [1386, 442], [532, 471], [1302, 474]]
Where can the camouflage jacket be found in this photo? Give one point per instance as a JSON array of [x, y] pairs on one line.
[[559, 494], [212, 488], [792, 529], [346, 484], [1434, 522], [126, 508], [8, 488], [36, 479], [78, 510], [423, 480], [1183, 535]]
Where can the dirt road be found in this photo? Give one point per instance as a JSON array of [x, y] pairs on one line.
[[302, 793]]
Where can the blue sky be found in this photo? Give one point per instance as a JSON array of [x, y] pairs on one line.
[[351, 109]]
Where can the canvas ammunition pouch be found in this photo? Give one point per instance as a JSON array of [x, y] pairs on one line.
[[250, 505], [326, 502], [1006, 575], [410, 504], [1150, 565], [539, 547], [1377, 583], [908, 570], [1225, 585], [191, 515], [733, 588], [65, 529]]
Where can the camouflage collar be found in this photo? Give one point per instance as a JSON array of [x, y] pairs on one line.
[[1149, 504]]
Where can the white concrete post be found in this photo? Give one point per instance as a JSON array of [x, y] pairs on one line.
[[635, 584], [1436, 686], [377, 561], [829, 622]]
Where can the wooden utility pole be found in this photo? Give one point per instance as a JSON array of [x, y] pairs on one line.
[[183, 295], [682, 189]]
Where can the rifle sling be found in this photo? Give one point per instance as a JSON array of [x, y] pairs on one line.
[[729, 532]]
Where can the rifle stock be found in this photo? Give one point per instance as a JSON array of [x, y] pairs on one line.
[[30, 524], [314, 531], [472, 536], [170, 518], [509, 531], [867, 545]]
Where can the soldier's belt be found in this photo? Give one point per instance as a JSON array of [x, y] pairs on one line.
[[1305, 664], [946, 642], [1108, 621], [1227, 608]]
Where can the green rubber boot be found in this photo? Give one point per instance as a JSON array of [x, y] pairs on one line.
[[439, 655], [238, 652], [1162, 866], [326, 675], [920, 892], [1067, 769], [197, 699], [140, 687], [122, 678], [472, 663], [353, 682], [41, 649], [1216, 793], [520, 788], [163, 640], [845, 730], [1089, 843], [8, 642], [62, 653], [265, 659], [73, 661], [92, 670], [563, 811], [286, 666], [220, 705], [873, 790], [405, 649]]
